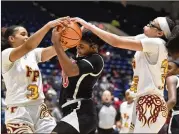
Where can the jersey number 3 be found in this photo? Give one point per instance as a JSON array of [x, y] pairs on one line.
[[32, 87], [34, 92]]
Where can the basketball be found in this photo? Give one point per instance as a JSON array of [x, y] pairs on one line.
[[71, 36]]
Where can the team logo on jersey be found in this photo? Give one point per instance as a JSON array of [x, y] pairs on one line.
[[154, 105], [18, 128], [34, 74], [11, 109]]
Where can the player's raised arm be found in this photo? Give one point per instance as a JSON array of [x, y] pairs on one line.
[[112, 39], [25, 44], [70, 69]]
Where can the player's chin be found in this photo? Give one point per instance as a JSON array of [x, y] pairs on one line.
[[146, 30], [79, 55]]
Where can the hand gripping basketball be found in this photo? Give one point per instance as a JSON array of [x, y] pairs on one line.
[[71, 35]]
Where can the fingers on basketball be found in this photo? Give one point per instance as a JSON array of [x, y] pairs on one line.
[[71, 35]]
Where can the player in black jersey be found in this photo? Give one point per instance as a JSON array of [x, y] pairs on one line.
[[79, 78], [173, 95]]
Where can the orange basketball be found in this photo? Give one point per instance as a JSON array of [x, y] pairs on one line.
[[71, 36]]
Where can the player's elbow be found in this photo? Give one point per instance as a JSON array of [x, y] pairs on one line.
[[73, 71], [71, 74], [173, 102]]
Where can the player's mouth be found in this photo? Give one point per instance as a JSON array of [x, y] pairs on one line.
[[106, 100]]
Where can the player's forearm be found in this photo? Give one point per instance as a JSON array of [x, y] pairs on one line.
[[68, 67], [171, 83], [110, 38], [48, 53], [34, 40], [117, 41]]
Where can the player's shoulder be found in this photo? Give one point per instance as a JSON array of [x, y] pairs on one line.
[[123, 104], [158, 41], [7, 50], [97, 56], [140, 36], [94, 58]]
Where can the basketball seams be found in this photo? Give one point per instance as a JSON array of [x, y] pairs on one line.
[[75, 31], [77, 42], [66, 36]]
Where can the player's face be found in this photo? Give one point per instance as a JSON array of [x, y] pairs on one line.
[[128, 97], [83, 49], [106, 97], [172, 69], [153, 29], [19, 37]]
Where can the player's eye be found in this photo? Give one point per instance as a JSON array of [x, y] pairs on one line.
[[23, 34]]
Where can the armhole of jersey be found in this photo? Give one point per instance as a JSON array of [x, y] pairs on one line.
[[148, 60], [177, 81], [92, 74], [88, 63], [10, 67]]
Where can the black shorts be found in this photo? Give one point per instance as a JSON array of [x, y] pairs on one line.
[[78, 120], [174, 127], [105, 131]]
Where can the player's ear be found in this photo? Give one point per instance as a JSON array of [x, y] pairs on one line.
[[11, 38], [94, 47]]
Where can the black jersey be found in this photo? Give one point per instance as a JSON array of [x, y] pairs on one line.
[[176, 107], [81, 86]]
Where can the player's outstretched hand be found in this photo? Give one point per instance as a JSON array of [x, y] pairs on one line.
[[82, 22], [63, 21], [56, 37]]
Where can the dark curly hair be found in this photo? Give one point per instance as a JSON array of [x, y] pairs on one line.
[[91, 38], [5, 33], [173, 43]]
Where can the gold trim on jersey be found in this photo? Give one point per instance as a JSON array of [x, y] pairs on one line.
[[44, 112], [164, 69], [134, 84], [18, 128]]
